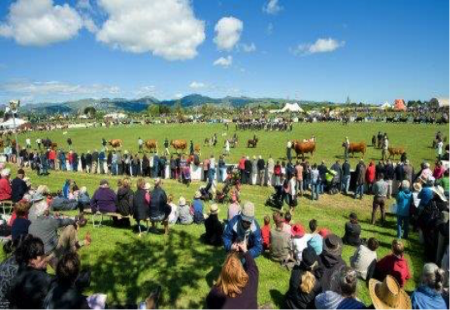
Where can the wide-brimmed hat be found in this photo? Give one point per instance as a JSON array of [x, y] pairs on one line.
[[417, 187], [248, 212], [197, 195], [297, 230], [182, 201], [388, 294], [440, 192], [332, 244], [147, 186], [214, 209]]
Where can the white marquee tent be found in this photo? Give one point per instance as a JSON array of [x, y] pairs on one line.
[[385, 106], [9, 124], [289, 107]]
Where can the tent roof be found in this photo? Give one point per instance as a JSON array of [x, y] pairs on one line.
[[292, 107], [443, 102], [10, 123]]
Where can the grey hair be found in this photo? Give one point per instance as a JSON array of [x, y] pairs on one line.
[[405, 184], [433, 276]]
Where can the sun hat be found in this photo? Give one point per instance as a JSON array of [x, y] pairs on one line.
[[297, 230], [309, 257], [440, 192], [5, 172], [197, 195], [147, 186], [248, 212], [214, 209], [333, 244], [43, 189], [417, 187], [182, 201], [388, 294], [37, 197]]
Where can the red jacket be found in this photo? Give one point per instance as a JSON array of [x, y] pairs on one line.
[[394, 266], [265, 233], [52, 155], [5, 189], [277, 170], [242, 164], [370, 174]]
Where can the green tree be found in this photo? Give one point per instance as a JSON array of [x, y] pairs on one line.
[[90, 112], [434, 103], [153, 110]]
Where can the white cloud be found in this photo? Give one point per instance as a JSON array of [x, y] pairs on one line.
[[224, 62], [39, 22], [320, 46], [197, 85], [272, 7], [228, 32], [165, 28], [146, 91], [248, 48], [178, 96], [53, 91]]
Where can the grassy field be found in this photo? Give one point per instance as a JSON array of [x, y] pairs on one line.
[[127, 267], [416, 139]]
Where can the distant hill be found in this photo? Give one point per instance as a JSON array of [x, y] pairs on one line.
[[141, 104]]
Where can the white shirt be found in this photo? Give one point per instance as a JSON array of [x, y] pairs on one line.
[[28, 141], [212, 163], [289, 145], [440, 145], [298, 245]]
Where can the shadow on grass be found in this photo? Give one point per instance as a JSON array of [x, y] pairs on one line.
[[278, 299], [137, 267]]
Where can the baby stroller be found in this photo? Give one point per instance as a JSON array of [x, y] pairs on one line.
[[333, 179], [276, 200]]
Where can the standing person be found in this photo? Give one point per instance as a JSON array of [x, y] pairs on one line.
[[212, 169], [299, 178], [389, 174], [222, 169], [18, 186], [322, 174], [104, 142], [140, 144], [315, 182], [346, 177], [346, 147], [88, 159], [205, 169], [370, 176], [360, 179], [227, 147], [270, 170], [75, 160], [166, 147], [38, 143], [28, 143], [408, 171], [101, 161], [379, 198], [191, 147], [440, 149], [248, 170], [384, 152], [277, 173], [62, 160], [289, 150], [404, 203], [237, 286], [83, 162], [94, 162]]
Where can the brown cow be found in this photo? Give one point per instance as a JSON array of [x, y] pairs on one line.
[[356, 148], [395, 151], [303, 148], [151, 145], [115, 143], [197, 149], [178, 144]]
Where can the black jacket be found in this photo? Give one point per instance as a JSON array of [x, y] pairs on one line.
[[295, 298], [140, 205], [346, 169], [248, 166], [214, 230], [63, 296], [125, 201], [261, 164], [19, 188], [331, 264], [352, 233], [158, 203], [88, 159]]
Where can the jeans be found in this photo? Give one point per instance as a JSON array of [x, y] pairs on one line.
[[315, 191], [402, 223], [211, 174], [345, 185], [300, 187], [62, 165], [359, 191], [114, 168]]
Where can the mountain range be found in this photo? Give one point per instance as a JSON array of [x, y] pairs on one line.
[[141, 104]]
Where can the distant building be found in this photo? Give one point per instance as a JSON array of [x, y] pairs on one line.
[[115, 115]]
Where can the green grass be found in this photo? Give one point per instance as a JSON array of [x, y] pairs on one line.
[[127, 267]]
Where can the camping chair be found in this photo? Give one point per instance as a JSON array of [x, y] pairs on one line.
[[7, 206]]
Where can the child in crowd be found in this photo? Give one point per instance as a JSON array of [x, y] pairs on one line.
[[352, 231], [287, 220], [265, 233], [299, 242], [316, 240]]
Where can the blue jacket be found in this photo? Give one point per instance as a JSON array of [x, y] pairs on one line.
[[425, 297], [404, 199], [254, 245], [425, 196]]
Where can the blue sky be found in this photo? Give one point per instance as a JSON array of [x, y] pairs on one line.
[[372, 51]]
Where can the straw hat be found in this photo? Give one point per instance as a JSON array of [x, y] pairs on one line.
[[440, 192], [197, 195], [417, 187], [214, 209], [182, 201], [147, 186], [388, 294]]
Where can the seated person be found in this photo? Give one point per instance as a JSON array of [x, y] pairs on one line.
[[331, 260], [104, 199], [345, 295], [197, 208], [365, 259], [287, 222], [429, 294], [30, 287], [46, 228], [5, 185], [64, 294], [159, 209], [60, 203], [83, 199], [315, 240], [243, 229], [173, 216], [234, 208], [184, 212], [352, 231], [299, 241], [394, 264], [18, 186], [265, 233], [280, 240], [213, 226], [21, 223]]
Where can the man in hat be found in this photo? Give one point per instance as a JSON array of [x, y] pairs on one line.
[[388, 294], [346, 147], [213, 227], [244, 228], [330, 259]]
